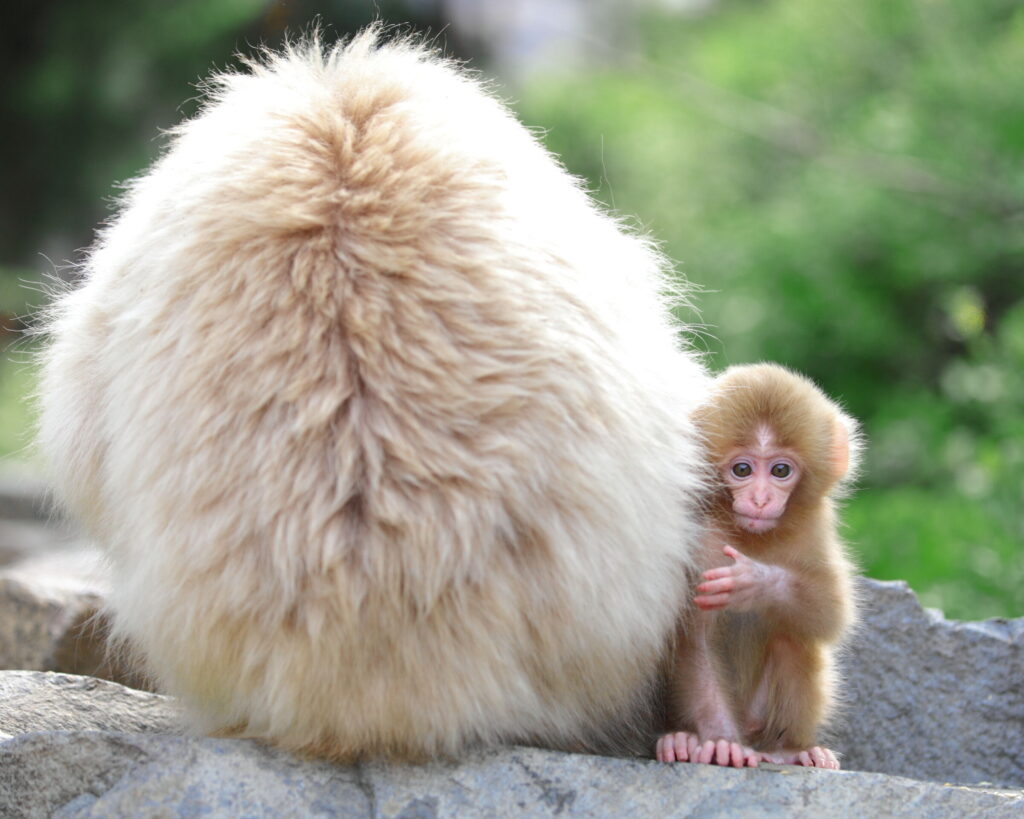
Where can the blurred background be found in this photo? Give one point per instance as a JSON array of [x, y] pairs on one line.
[[844, 182]]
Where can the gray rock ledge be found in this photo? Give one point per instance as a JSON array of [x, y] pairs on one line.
[[931, 698], [104, 774], [50, 616], [32, 701]]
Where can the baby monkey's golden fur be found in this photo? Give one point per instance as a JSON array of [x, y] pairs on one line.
[[760, 674]]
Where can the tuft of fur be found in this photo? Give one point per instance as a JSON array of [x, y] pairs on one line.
[[383, 423]]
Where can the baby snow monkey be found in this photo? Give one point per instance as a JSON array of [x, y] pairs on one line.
[[753, 672]]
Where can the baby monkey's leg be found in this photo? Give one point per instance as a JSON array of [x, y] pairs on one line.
[[700, 702], [788, 705]]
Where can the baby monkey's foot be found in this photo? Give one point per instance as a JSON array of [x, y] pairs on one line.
[[682, 746], [815, 757]]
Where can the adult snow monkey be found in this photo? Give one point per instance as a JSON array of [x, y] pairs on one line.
[[384, 424], [754, 675]]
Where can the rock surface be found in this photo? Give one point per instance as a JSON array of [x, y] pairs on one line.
[[931, 698], [49, 616], [127, 775], [40, 701], [46, 603]]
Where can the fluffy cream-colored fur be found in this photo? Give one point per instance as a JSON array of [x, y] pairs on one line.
[[384, 424]]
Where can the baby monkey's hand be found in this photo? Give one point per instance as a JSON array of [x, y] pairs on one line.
[[746, 585]]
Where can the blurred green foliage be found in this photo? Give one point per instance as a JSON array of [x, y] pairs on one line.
[[86, 86], [844, 182]]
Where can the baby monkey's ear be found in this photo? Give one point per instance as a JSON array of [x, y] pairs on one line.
[[845, 455]]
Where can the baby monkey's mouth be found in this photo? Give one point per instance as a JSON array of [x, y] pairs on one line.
[[755, 524]]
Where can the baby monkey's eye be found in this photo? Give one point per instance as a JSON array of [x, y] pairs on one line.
[[741, 470], [781, 470]]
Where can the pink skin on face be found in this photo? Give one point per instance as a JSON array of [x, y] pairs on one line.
[[760, 480]]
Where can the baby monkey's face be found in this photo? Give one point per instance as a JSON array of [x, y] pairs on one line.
[[760, 478]]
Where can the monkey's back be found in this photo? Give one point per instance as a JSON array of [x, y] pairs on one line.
[[382, 422]]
